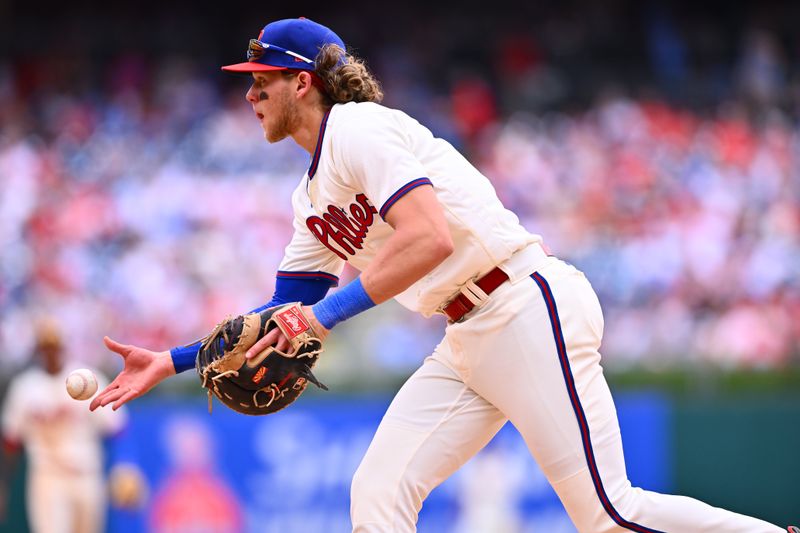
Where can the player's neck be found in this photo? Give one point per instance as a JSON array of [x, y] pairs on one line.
[[307, 134]]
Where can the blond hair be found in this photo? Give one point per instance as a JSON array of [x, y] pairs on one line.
[[346, 77]]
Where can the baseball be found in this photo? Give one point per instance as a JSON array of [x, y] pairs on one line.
[[81, 384]]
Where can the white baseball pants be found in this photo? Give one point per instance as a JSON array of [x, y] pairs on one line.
[[531, 356], [65, 503]]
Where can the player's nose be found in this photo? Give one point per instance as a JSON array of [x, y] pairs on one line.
[[251, 95]]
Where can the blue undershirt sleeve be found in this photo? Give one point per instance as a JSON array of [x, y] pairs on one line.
[[307, 290]]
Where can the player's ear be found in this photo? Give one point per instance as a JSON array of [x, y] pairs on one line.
[[303, 83]]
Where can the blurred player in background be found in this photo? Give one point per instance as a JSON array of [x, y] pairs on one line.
[[65, 488], [425, 227]]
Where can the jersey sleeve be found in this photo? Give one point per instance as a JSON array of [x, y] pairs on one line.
[[377, 158], [306, 258]]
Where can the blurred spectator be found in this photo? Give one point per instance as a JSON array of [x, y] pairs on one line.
[[667, 50], [192, 496], [473, 106], [65, 488], [762, 73]]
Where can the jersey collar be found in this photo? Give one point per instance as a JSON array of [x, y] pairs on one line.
[[318, 150]]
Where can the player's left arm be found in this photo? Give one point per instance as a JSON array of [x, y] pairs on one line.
[[420, 242]]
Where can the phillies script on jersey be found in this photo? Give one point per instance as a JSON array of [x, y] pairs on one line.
[[346, 231]]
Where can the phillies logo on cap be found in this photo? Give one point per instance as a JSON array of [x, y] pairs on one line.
[[292, 321]]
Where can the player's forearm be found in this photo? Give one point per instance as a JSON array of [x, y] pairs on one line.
[[308, 291], [421, 241], [405, 258]]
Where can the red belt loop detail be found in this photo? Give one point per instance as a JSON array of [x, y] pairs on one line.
[[461, 305]]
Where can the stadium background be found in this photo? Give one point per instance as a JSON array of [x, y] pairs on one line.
[[655, 145]]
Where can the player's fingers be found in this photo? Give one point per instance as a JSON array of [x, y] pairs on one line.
[[263, 343], [283, 344], [97, 401], [130, 394], [110, 387], [114, 346], [113, 396], [99, 397], [95, 404]]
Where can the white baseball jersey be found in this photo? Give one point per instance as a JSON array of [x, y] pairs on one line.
[[61, 435], [367, 157]]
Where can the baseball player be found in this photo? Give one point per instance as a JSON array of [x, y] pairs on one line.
[[65, 490], [423, 226]]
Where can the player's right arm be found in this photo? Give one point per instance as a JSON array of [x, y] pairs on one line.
[[144, 369], [305, 275]]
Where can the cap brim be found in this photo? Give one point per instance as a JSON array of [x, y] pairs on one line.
[[251, 66]]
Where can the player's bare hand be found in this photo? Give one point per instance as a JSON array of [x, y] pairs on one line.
[[278, 340], [274, 338], [143, 370]]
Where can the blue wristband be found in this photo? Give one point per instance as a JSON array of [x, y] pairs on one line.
[[183, 357], [343, 304]]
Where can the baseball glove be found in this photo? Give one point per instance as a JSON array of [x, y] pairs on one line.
[[272, 379]]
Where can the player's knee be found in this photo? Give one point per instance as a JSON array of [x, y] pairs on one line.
[[368, 501], [382, 495], [372, 487], [368, 492], [359, 485]]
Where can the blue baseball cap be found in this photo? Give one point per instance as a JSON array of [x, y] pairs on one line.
[[286, 44]]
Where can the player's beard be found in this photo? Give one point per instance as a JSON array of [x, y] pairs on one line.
[[287, 118]]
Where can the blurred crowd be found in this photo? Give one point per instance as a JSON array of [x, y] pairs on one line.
[[688, 227], [144, 204]]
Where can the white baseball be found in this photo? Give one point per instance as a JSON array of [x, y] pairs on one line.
[[81, 384]]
